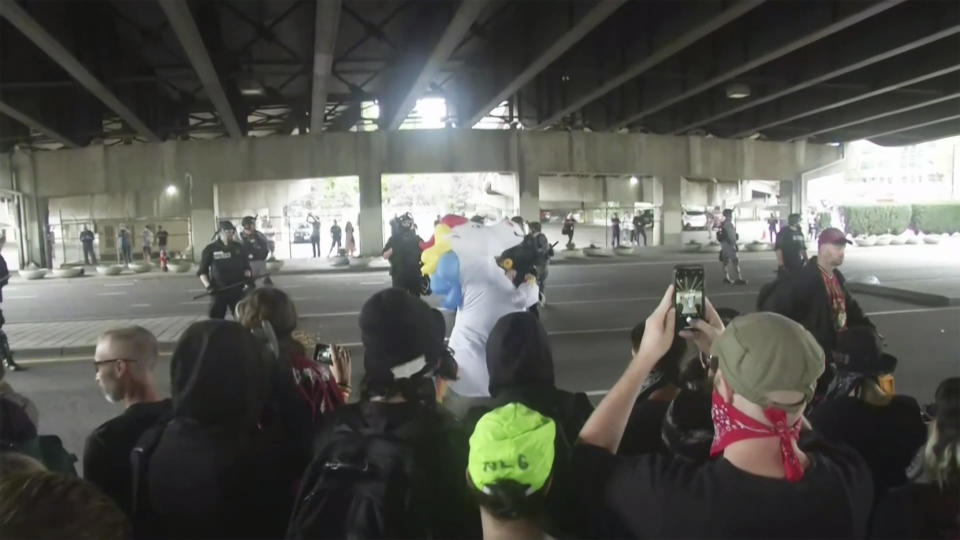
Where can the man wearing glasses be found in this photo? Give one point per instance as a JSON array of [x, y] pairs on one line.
[[123, 362]]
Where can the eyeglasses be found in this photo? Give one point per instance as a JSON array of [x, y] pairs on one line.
[[98, 363]]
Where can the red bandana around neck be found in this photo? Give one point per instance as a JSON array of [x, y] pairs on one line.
[[731, 425]]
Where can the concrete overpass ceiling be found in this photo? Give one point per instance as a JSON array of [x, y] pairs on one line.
[[120, 72]]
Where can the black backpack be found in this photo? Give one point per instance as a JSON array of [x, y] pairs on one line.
[[365, 482]]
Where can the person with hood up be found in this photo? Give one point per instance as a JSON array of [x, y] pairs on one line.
[[520, 364], [414, 451], [219, 467]]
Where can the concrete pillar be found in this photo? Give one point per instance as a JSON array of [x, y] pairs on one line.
[[529, 182], [202, 216], [786, 196], [671, 211], [370, 171]]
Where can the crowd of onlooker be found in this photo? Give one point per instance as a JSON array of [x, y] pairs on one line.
[[738, 427]]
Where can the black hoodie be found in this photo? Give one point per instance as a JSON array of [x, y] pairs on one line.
[[217, 470]]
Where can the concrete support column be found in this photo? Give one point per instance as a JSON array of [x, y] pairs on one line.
[[529, 195], [671, 211], [370, 171], [786, 196], [202, 217]]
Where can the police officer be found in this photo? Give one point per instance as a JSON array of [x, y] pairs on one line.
[[403, 251], [5, 352], [791, 246], [544, 251], [224, 271], [258, 249]]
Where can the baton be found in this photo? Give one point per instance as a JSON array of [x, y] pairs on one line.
[[228, 287]]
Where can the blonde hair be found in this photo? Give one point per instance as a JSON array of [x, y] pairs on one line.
[[941, 455], [268, 304]]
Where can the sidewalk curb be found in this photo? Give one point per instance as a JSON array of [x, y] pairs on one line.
[[26, 356], [906, 295]]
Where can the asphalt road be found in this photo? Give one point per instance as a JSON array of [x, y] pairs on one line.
[[591, 310]]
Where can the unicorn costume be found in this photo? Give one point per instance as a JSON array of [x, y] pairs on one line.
[[460, 260]]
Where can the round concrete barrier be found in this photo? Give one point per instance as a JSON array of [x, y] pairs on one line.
[[359, 262], [866, 241], [884, 240], [931, 239], [758, 246], [692, 246], [110, 270], [712, 247], [181, 267], [898, 241], [624, 251], [339, 262], [274, 266], [141, 268], [33, 273], [914, 241], [68, 272]]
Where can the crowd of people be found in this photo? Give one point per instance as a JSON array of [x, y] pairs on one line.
[[782, 423]]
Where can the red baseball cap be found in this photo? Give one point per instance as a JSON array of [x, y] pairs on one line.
[[833, 236]]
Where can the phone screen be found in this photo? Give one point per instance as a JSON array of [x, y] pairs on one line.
[[688, 293], [322, 353]]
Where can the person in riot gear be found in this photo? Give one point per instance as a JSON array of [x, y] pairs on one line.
[[403, 251], [225, 270], [529, 258], [5, 352], [258, 249]]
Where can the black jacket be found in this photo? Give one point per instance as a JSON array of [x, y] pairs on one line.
[[803, 297]]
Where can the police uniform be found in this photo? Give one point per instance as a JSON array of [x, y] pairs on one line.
[[405, 261], [792, 244], [257, 250], [226, 266]]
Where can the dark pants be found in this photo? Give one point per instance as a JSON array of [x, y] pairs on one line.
[[616, 236], [219, 302], [410, 282], [89, 256], [642, 232], [126, 252], [5, 353], [335, 245], [315, 242], [570, 237]]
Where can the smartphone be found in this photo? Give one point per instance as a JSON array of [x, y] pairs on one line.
[[322, 353], [689, 296]]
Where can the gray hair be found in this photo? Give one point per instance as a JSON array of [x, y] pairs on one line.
[[138, 342]]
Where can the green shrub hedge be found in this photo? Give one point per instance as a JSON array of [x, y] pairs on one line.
[[937, 218], [824, 220], [877, 219]]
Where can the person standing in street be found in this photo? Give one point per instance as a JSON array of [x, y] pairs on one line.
[[126, 245], [86, 240], [772, 223], [635, 233], [791, 246], [403, 251], [224, 271], [351, 240], [162, 238], [336, 235], [615, 230], [257, 248], [569, 225], [315, 235], [51, 241], [727, 236], [5, 351], [646, 222], [544, 251], [147, 237]]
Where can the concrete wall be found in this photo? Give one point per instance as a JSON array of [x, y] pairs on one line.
[[198, 165]]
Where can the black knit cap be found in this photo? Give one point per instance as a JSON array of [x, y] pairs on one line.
[[395, 328], [227, 226]]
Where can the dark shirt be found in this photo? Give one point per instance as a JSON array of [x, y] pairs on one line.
[[124, 238], [162, 237], [918, 511], [86, 237], [886, 436], [256, 245], [793, 245], [225, 265], [643, 433], [656, 496], [4, 277], [406, 253], [335, 232], [106, 456]]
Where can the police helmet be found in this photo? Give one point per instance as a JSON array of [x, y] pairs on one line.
[[247, 221], [406, 220], [793, 219], [226, 225]]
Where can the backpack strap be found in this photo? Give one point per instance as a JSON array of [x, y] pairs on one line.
[[139, 460]]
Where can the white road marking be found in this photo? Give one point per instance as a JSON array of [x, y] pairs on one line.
[[597, 392], [572, 285], [140, 305], [916, 310], [641, 298], [373, 282], [25, 297], [129, 284], [111, 294], [196, 290], [195, 302], [322, 315], [301, 298]]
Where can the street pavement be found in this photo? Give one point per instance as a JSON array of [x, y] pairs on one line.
[[591, 307]]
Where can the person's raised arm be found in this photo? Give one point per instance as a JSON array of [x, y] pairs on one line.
[[608, 421]]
